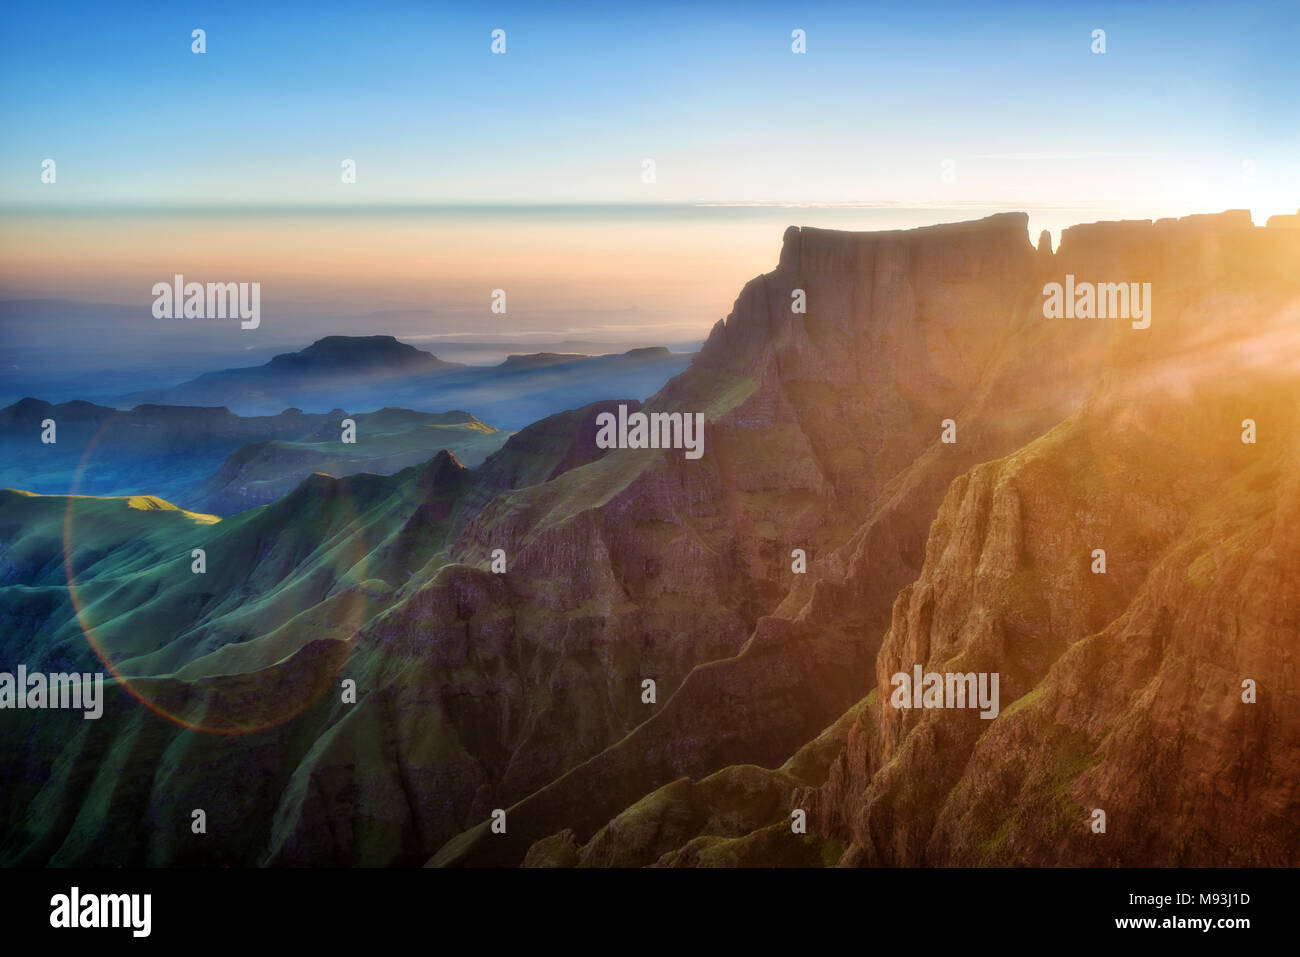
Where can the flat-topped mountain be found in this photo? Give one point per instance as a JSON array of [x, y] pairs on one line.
[[538, 359], [336, 353], [371, 371]]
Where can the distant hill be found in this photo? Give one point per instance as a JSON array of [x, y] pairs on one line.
[[538, 359], [212, 460], [351, 353], [376, 371], [387, 442]]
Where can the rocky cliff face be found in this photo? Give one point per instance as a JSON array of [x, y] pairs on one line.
[[1228, 316], [1124, 689], [1120, 691], [1151, 467], [822, 414], [523, 689]]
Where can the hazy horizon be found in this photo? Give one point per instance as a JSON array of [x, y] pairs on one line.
[[75, 287], [649, 274], [626, 196]]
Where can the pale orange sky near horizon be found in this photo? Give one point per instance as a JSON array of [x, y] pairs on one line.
[[665, 274]]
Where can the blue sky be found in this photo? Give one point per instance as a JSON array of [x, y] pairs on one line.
[[1192, 105]]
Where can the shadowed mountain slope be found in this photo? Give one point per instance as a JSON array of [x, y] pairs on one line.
[[1212, 269]]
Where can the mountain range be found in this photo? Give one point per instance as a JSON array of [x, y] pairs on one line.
[[947, 460], [370, 372], [211, 460]]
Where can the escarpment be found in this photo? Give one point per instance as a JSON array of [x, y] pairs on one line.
[[905, 463], [1150, 428]]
